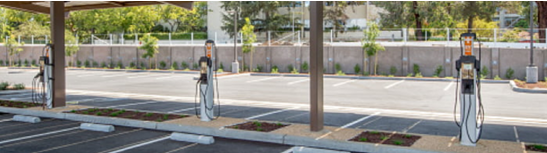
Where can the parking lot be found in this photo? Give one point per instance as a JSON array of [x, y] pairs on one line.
[[423, 107], [52, 135]]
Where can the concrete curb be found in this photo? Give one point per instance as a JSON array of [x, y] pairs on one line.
[[28, 119], [524, 90], [222, 132], [375, 78], [97, 127], [201, 139]]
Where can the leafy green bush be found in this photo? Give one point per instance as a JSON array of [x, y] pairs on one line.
[[175, 66], [78, 63], [419, 75], [19, 63], [163, 65], [195, 66], [87, 64], [143, 67], [1, 63], [392, 70], [337, 67], [184, 65], [132, 65], [356, 69], [497, 77], [4, 85], [438, 71], [340, 73], [221, 66], [509, 73], [275, 69], [33, 63], [258, 68], [19, 86], [103, 65], [290, 68], [120, 64], [484, 72], [416, 68], [26, 63], [304, 67], [410, 75], [95, 64], [174, 36], [295, 71]]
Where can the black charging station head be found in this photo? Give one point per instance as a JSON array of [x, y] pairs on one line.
[[474, 35]]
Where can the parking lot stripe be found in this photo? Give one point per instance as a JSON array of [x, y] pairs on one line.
[[359, 120], [263, 79], [449, 85], [43, 128], [299, 81], [394, 84], [152, 75], [5, 120], [89, 140], [117, 75], [516, 133], [148, 102], [182, 110], [140, 144], [288, 150], [270, 113], [412, 126], [38, 135], [181, 148], [169, 77], [343, 83]]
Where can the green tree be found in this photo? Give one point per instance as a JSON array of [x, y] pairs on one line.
[[370, 46], [271, 21], [471, 10], [13, 48], [248, 39], [150, 45], [71, 45]]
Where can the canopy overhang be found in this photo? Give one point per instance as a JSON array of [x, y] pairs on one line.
[[44, 7]]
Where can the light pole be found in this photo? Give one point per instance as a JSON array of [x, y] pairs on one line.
[[531, 70], [235, 64]]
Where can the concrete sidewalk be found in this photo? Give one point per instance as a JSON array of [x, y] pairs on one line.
[[335, 138]]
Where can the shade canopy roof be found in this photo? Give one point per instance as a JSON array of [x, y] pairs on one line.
[[44, 6]]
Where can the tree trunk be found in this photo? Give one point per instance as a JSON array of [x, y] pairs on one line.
[[418, 32], [149, 63], [251, 65], [365, 63], [470, 24], [542, 22], [243, 62], [376, 63]]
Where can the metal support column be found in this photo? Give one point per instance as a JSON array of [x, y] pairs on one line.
[[57, 17], [316, 66]]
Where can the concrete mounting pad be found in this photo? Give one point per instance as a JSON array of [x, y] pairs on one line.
[[334, 138]]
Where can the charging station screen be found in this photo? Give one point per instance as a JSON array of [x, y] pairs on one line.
[[468, 44]]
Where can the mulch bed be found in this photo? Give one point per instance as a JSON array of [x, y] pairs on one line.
[[536, 147], [121, 113], [258, 126], [17, 104], [539, 85], [386, 138]]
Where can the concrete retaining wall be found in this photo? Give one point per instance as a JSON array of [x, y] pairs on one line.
[[497, 60]]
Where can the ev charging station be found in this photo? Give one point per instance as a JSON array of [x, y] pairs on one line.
[[206, 83], [42, 83], [471, 109]]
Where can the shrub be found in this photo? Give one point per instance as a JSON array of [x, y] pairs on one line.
[[340, 73], [220, 70], [410, 75], [195, 66], [484, 72], [304, 67], [175, 66], [419, 75], [26, 62], [78, 63], [416, 68], [294, 71], [337, 67], [393, 70], [356, 69], [184, 65], [95, 64], [87, 64], [19, 63], [19, 86], [1, 62], [132, 65], [275, 70], [33, 63], [497, 77], [163, 65], [290, 68], [438, 71], [120, 64], [4, 85], [509, 73], [258, 68], [103, 65], [221, 67]]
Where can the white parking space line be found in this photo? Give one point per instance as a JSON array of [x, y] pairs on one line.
[[117, 75], [182, 110], [516, 133], [263, 79], [448, 86], [169, 77], [140, 145], [412, 126], [299, 81], [394, 84], [183, 147], [270, 113], [151, 75], [148, 102], [343, 83], [288, 150], [37, 135], [360, 120], [5, 120]]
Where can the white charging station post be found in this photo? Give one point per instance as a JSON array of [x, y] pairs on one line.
[[207, 87], [468, 93], [48, 82]]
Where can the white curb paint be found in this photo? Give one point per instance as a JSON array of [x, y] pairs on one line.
[[314, 150], [28, 119], [139, 145], [97, 127], [201, 139]]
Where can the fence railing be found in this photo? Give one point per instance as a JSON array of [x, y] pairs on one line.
[[499, 37]]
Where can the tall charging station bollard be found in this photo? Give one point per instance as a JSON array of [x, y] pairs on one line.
[[42, 89], [206, 82], [471, 110]]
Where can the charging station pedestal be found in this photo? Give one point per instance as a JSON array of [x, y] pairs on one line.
[[206, 97], [48, 73]]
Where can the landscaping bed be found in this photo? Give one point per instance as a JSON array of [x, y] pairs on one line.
[[386, 138], [536, 147], [538, 85], [128, 114], [18, 104], [258, 126]]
